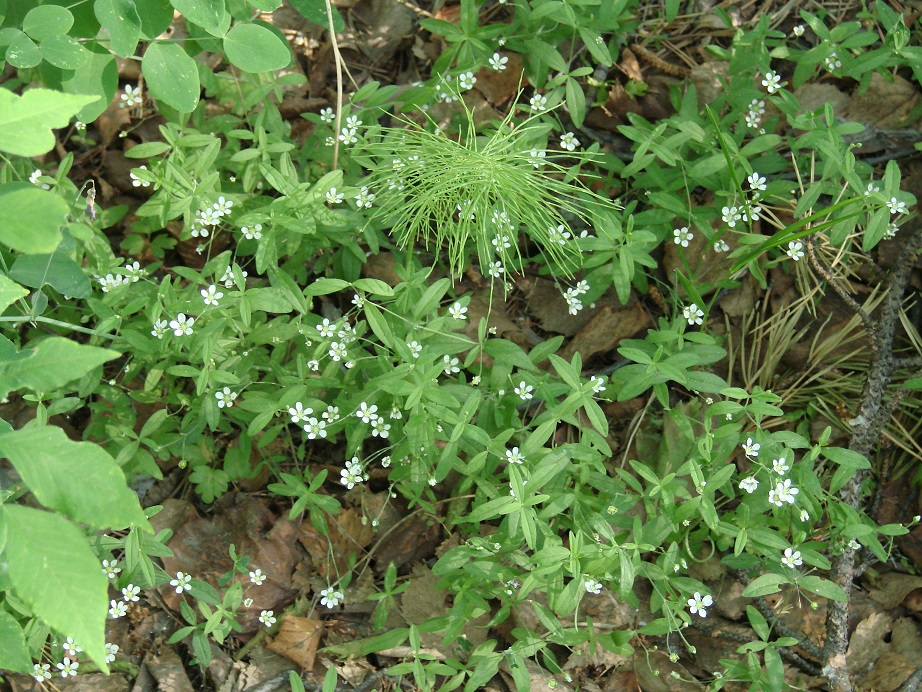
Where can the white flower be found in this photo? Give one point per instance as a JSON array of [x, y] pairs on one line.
[[130, 593], [896, 206], [854, 544], [891, 231], [698, 604], [331, 415], [771, 82], [538, 103], [364, 198], [111, 651], [536, 157], [267, 617], [348, 135], [338, 351], [133, 271], [110, 569], [211, 295], [871, 189], [693, 314], [804, 515], [353, 121], [730, 215], [368, 414], [349, 476], [182, 325], [524, 391], [592, 586], [330, 597], [225, 397], [498, 62], [380, 429], [181, 582], [756, 182], [298, 413], [450, 365], [415, 348], [799, 30], [558, 235], [315, 428], [71, 648], [117, 609], [254, 233], [68, 667], [513, 456], [334, 197], [682, 236], [131, 97], [327, 115], [222, 207], [832, 62], [721, 246], [458, 311], [228, 278], [753, 120], [466, 81], [327, 329], [751, 448], [136, 181], [41, 672], [160, 328], [329, 141], [569, 141], [791, 558], [598, 384], [465, 211], [795, 250], [749, 484], [110, 282], [34, 179], [257, 577], [780, 466], [785, 492], [80, 126]]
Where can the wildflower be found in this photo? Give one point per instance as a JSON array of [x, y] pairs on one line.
[[131, 97], [795, 250], [780, 466], [721, 246], [111, 651], [182, 325], [109, 568], [536, 157], [832, 62], [110, 282], [315, 428], [466, 81], [896, 206], [329, 141], [753, 120], [367, 413], [380, 429], [338, 351], [254, 233], [267, 617], [225, 397], [228, 277], [730, 215], [592, 586], [160, 328], [395, 413], [698, 604], [538, 103], [598, 384], [334, 197], [71, 649], [450, 365], [133, 272], [364, 198], [211, 295], [353, 121], [799, 30], [524, 391], [682, 236], [130, 593], [757, 182], [41, 672], [298, 413], [349, 476], [498, 62], [782, 492], [327, 115], [513, 456], [854, 544], [871, 189], [693, 314], [751, 212], [326, 329], [791, 558], [749, 484], [465, 211], [771, 82], [348, 135], [181, 582], [80, 126], [495, 270], [117, 609], [458, 311], [501, 219], [330, 597], [346, 335], [804, 515], [68, 667], [751, 448], [136, 181], [415, 348], [569, 141], [257, 577], [891, 231], [558, 235]]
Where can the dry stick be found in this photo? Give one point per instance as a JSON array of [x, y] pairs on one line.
[[866, 426], [338, 59], [791, 657]]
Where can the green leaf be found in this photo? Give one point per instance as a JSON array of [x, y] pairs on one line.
[[79, 479], [120, 18], [156, 16], [272, 300], [98, 77], [822, 587], [53, 571], [10, 292], [30, 218], [26, 121], [57, 270], [764, 585], [253, 48], [172, 76], [23, 53], [64, 52], [374, 286], [51, 364], [14, 654], [47, 21], [316, 11], [208, 14]]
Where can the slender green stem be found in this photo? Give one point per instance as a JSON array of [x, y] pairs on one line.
[[57, 323]]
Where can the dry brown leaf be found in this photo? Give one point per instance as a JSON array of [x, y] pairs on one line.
[[297, 640], [347, 535], [891, 588], [886, 104], [607, 328]]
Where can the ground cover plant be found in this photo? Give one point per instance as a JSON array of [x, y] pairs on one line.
[[525, 344]]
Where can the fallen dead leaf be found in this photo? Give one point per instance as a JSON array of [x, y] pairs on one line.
[[347, 535], [608, 327], [891, 588], [297, 640], [887, 103]]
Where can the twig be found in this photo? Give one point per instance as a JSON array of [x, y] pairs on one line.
[[418, 10], [338, 59], [790, 656], [913, 683]]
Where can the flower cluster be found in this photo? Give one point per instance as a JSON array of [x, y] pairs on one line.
[[210, 216], [572, 296], [353, 474], [130, 273], [754, 115]]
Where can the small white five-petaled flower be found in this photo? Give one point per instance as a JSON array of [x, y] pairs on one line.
[[693, 314], [225, 397], [182, 325], [330, 597], [698, 604], [181, 582], [791, 558], [211, 295], [795, 250], [751, 448], [267, 617], [771, 82], [257, 577], [749, 484], [682, 236], [457, 311]]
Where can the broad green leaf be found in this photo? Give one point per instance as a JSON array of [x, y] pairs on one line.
[[576, 102], [14, 654], [120, 18], [822, 587], [51, 364], [98, 78], [55, 573], [79, 479], [316, 11], [156, 16], [30, 218], [254, 48], [46, 21], [272, 300], [56, 270], [23, 53], [26, 121], [764, 585], [208, 14], [172, 76], [64, 52], [10, 292]]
